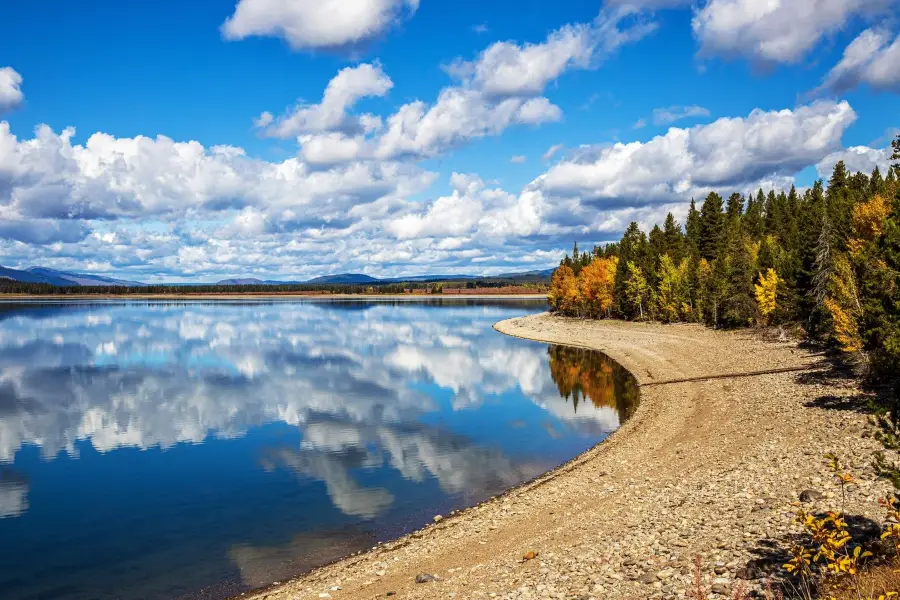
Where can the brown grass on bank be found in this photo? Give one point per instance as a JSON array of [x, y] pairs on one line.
[[874, 582]]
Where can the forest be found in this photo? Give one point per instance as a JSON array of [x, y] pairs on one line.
[[825, 261], [8, 286]]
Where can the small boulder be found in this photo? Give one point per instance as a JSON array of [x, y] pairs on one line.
[[438, 518], [426, 578], [808, 496], [720, 588]]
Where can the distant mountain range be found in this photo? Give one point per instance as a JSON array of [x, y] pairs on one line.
[[63, 278], [69, 279]]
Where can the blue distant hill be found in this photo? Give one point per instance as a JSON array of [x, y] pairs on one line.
[[72, 279]]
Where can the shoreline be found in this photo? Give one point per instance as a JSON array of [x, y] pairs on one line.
[[286, 297], [706, 467]]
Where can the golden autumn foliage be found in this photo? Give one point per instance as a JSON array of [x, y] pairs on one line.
[[563, 295], [589, 294], [587, 375], [869, 217], [767, 292], [595, 286], [844, 306], [673, 298]]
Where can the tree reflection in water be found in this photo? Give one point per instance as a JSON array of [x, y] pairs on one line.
[[587, 375]]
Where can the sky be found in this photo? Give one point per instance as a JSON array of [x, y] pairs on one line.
[[288, 139]]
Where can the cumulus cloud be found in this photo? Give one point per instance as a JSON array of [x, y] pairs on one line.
[[778, 31], [49, 179], [343, 91], [311, 24], [872, 59], [728, 152], [857, 158], [782, 31], [10, 89], [499, 89], [508, 69]]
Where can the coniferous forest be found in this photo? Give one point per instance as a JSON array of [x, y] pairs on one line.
[[826, 260]]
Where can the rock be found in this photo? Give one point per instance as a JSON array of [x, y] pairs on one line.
[[720, 588], [438, 518], [530, 555], [810, 496], [426, 578], [647, 578], [391, 594]]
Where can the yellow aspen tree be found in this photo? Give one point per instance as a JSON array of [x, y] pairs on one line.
[[668, 301], [767, 292], [563, 294], [844, 306]]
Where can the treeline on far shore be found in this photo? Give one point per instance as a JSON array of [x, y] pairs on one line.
[[8, 286], [826, 261]]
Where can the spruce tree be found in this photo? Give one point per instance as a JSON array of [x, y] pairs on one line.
[[674, 239], [692, 229], [712, 226]]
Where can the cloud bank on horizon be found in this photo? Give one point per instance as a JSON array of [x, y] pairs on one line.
[[490, 161]]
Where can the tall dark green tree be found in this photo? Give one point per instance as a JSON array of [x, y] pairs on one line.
[[712, 226], [674, 239], [692, 229]]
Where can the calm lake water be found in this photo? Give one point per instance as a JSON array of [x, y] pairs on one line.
[[157, 450]]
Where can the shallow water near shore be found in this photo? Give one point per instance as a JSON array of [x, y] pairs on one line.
[[199, 449]]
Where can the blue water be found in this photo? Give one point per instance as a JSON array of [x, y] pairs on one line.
[[154, 450]]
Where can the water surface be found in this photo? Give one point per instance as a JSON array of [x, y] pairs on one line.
[[155, 450]]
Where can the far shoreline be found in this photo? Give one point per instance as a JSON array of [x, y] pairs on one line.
[[269, 296]]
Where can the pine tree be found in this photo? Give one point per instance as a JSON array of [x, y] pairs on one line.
[[739, 302], [735, 207], [712, 226], [674, 238], [753, 218], [692, 229], [876, 183]]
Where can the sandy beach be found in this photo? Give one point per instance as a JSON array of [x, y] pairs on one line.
[[730, 430]]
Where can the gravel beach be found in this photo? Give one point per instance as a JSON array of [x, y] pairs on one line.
[[714, 466]]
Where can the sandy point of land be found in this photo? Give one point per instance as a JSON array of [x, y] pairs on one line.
[[709, 467]]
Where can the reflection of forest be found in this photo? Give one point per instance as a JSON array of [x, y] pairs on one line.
[[582, 375]]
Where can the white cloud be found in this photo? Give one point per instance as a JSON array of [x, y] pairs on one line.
[[782, 31], [518, 159], [665, 116], [728, 152], [768, 31], [857, 158], [872, 58], [10, 89], [552, 151], [501, 88], [49, 178], [507, 69], [310, 24], [342, 93]]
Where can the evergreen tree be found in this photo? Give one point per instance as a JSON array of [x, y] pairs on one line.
[[712, 226], [692, 229], [735, 207], [674, 239], [739, 306]]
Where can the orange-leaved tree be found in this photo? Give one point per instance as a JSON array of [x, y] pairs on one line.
[[563, 294], [595, 286]]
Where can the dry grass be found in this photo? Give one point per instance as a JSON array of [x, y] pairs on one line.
[[872, 583]]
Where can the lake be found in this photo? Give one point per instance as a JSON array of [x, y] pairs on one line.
[[175, 449]]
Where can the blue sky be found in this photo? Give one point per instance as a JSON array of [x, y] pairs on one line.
[[430, 152]]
